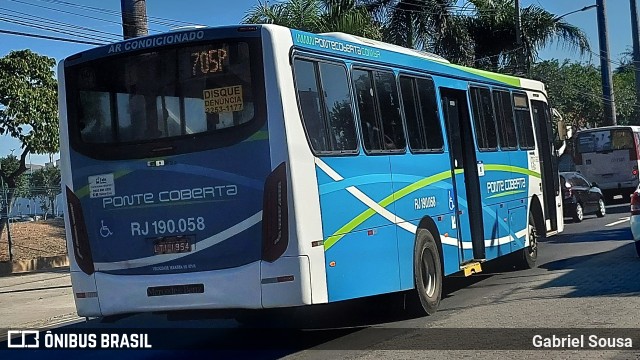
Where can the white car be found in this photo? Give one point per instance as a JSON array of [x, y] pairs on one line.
[[635, 218]]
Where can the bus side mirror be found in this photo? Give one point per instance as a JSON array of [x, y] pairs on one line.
[[562, 130]]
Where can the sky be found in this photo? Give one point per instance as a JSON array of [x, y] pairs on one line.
[[103, 17]]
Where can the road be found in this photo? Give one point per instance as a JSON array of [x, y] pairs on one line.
[[586, 278], [36, 300]]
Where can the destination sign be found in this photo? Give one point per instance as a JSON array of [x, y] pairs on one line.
[[209, 61]]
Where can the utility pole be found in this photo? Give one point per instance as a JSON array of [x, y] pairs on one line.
[[605, 65], [636, 52], [519, 49], [134, 18]]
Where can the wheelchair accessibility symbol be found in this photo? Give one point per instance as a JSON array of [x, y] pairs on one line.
[[104, 230]]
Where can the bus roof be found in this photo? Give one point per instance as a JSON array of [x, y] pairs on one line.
[[386, 46], [511, 80], [633, 128]]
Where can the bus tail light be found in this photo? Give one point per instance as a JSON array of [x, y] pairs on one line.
[[275, 219], [79, 235], [635, 203], [634, 153]]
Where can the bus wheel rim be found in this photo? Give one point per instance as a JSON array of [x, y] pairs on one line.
[[428, 273], [533, 240]]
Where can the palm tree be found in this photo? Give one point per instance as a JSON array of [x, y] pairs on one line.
[[431, 25], [481, 33], [492, 30], [317, 16]]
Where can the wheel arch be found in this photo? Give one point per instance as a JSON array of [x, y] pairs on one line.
[[535, 208]]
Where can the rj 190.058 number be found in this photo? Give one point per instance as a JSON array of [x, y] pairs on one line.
[[161, 227]]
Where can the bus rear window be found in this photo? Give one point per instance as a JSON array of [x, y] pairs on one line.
[[605, 140], [165, 93]]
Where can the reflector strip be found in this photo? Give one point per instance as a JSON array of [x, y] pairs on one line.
[[278, 279], [86, 295]]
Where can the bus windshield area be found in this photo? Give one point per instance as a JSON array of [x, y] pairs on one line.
[[605, 141], [163, 94]]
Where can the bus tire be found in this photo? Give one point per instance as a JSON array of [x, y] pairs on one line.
[[638, 247], [529, 254], [427, 273]]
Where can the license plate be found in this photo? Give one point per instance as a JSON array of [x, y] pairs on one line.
[[172, 245]]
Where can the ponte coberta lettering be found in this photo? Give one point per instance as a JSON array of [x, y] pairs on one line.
[[203, 193], [150, 42]]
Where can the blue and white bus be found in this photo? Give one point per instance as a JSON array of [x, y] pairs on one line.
[[258, 167]]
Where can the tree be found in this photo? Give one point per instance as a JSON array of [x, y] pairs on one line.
[[624, 88], [575, 89], [316, 16], [492, 30], [28, 110], [481, 33], [20, 188], [45, 185], [431, 25]]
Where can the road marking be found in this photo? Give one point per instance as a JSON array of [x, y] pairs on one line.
[[622, 220]]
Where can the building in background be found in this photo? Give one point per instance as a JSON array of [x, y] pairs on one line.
[[32, 205]]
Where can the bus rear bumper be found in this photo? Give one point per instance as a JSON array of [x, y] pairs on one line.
[[285, 282], [238, 286]]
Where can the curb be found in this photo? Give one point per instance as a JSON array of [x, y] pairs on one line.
[[41, 263]]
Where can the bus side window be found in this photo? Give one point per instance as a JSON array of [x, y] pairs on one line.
[[430, 115], [506, 126], [412, 115], [371, 128], [421, 114], [483, 119], [387, 96], [325, 103], [309, 102], [337, 101], [524, 125], [379, 110]]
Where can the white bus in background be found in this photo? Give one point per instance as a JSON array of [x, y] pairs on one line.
[[609, 156]]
